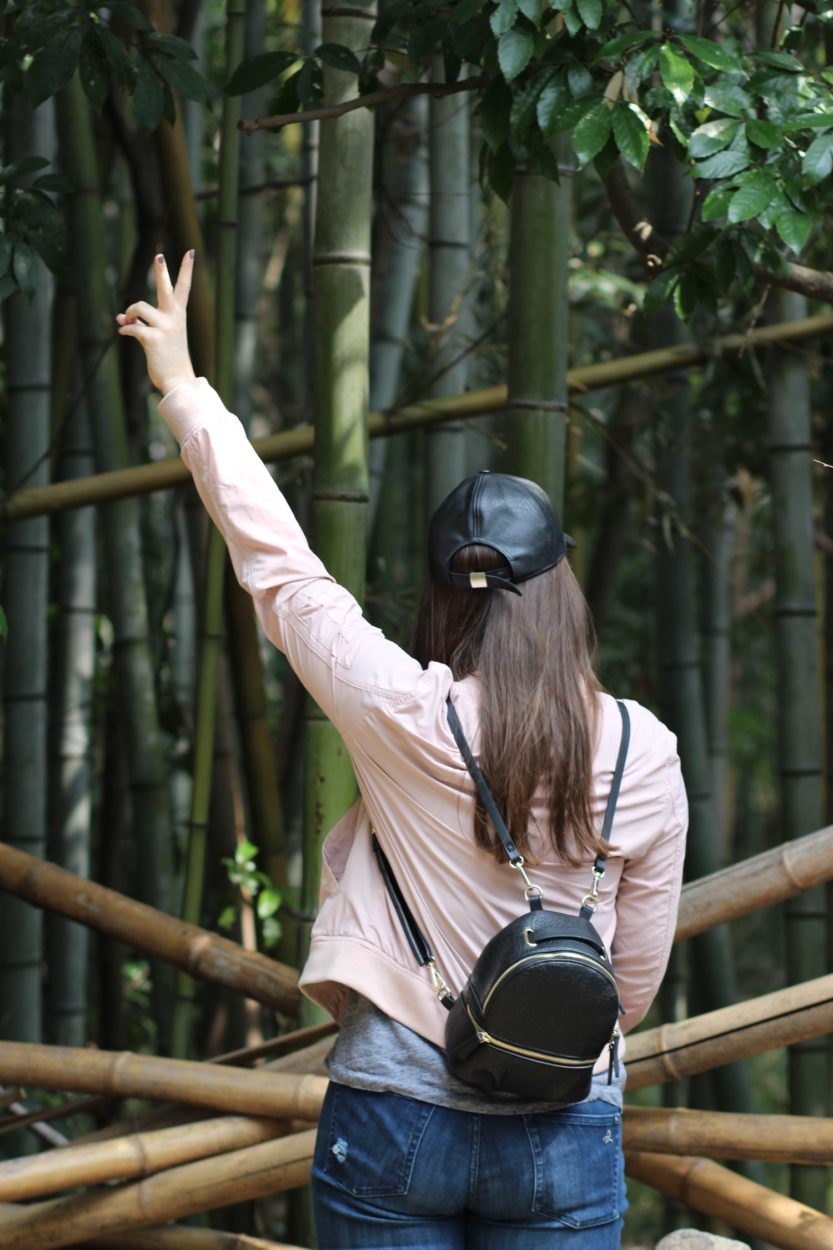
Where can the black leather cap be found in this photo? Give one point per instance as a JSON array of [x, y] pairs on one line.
[[509, 514]]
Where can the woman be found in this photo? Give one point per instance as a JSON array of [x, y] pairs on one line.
[[407, 1155]]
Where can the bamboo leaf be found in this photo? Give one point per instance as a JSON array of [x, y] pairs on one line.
[[712, 137], [752, 197], [258, 71], [817, 161], [722, 165], [630, 135], [592, 132], [338, 57], [503, 18], [590, 12], [793, 227], [514, 52], [710, 53], [676, 73], [764, 134]]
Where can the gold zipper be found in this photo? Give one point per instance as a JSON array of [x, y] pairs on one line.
[[544, 955], [555, 1060]]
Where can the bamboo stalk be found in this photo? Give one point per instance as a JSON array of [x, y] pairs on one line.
[[728, 1135], [125, 1158], [234, 1177], [747, 1206], [143, 479], [123, 1074], [718, 1037], [764, 879], [198, 952]]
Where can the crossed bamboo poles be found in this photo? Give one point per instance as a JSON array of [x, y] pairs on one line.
[[174, 1164]]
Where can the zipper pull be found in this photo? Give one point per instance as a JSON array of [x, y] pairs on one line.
[[613, 1048]]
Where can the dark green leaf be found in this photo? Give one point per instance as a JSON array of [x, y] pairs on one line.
[[752, 196], [6, 249], [793, 227], [259, 71], [461, 13], [500, 171], [53, 66], [286, 97], [503, 18], [94, 71], [709, 53], [116, 53], [451, 64], [809, 121], [592, 132], [590, 12], [572, 20], [764, 134], [722, 165], [53, 182], [172, 45], [148, 98], [134, 17], [494, 113], [540, 158], [580, 80], [724, 263], [310, 84], [640, 65], [613, 49], [716, 203], [338, 57], [572, 114], [692, 245], [182, 76], [685, 296], [676, 73], [514, 52], [554, 97], [780, 60], [630, 135], [818, 159], [21, 169], [8, 286], [524, 105], [712, 136], [531, 9], [24, 268], [728, 98], [659, 290]]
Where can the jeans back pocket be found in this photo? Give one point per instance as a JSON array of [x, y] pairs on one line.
[[367, 1141], [579, 1178]]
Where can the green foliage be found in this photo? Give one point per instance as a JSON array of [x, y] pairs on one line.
[[31, 222], [256, 886]]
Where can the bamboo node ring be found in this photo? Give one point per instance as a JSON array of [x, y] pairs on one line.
[[789, 867]]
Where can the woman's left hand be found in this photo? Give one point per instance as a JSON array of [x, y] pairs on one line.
[[162, 331]]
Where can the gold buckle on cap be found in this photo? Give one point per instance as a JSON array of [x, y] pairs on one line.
[[478, 581]]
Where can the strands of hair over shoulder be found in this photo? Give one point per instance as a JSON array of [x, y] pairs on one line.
[[533, 656]]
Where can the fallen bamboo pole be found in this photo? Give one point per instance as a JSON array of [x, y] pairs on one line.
[[717, 1037], [238, 1176], [770, 877], [198, 952], [747, 1206], [728, 1135], [133, 1156], [282, 1095], [102, 487], [184, 1238]]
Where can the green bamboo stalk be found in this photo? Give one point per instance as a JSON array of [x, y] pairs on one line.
[[716, 580], [25, 599], [799, 709], [215, 558], [311, 37], [251, 218], [342, 274], [538, 336], [122, 542], [449, 258]]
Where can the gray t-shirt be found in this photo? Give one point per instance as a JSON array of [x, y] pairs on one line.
[[374, 1052]]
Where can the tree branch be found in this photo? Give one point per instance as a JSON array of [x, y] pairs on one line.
[[814, 283], [400, 92]]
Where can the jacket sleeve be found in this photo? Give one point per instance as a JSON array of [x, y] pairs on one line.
[[347, 665], [649, 895]]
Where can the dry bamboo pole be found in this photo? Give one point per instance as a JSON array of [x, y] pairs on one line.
[[152, 932], [237, 1176], [764, 879], [728, 1134], [183, 1238], [143, 479], [718, 1037], [122, 1074], [747, 1206], [127, 1158]]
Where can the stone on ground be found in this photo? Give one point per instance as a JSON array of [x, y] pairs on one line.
[[694, 1239]]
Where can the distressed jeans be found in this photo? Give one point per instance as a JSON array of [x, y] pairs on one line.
[[391, 1171]]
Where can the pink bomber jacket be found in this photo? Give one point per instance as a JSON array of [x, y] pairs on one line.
[[415, 789]]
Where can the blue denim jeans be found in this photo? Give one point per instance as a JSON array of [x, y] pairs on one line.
[[391, 1171]]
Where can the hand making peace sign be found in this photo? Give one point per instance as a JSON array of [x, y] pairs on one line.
[[162, 331]]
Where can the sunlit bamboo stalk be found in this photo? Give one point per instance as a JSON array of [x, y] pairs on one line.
[[728, 1134]]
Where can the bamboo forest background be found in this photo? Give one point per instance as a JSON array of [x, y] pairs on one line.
[[594, 253]]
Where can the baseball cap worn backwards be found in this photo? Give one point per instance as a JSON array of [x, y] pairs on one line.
[[511, 515]]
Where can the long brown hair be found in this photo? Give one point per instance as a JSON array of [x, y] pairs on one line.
[[533, 655]]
